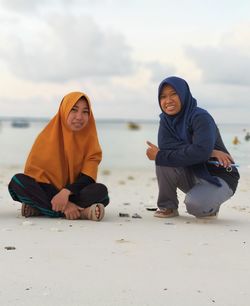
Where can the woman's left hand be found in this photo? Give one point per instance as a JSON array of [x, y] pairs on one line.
[[72, 211], [223, 158], [152, 151], [60, 200]]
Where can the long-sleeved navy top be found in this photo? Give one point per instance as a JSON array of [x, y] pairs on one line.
[[205, 138]]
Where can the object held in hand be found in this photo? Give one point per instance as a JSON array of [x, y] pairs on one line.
[[228, 169], [215, 162]]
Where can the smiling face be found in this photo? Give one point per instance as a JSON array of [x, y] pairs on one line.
[[78, 116], [170, 101]]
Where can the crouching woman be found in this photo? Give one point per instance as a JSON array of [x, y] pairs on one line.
[[190, 156]]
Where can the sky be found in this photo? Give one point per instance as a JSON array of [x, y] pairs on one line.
[[118, 52]]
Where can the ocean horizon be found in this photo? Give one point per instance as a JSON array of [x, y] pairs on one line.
[[123, 141]]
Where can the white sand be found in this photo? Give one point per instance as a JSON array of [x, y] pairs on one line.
[[126, 261]]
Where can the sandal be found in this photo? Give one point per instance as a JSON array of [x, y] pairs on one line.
[[28, 211], [166, 213], [90, 212], [208, 217]]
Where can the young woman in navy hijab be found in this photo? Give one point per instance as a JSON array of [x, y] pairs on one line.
[[190, 155]]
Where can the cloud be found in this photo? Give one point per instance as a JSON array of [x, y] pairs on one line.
[[37, 6], [35, 106], [23, 5], [219, 65], [160, 70], [226, 63], [63, 48]]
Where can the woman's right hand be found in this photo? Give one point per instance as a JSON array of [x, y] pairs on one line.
[[223, 158], [60, 200], [152, 151]]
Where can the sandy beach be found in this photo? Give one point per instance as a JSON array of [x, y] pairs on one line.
[[126, 260]]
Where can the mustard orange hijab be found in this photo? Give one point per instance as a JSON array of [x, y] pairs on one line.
[[59, 155]]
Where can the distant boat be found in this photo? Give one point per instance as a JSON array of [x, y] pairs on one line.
[[133, 126], [20, 123], [247, 136]]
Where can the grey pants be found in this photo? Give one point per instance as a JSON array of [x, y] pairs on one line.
[[202, 198]]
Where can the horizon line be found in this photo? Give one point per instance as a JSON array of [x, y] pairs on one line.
[[114, 120]]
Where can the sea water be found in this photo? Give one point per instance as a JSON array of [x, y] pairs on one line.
[[123, 148]]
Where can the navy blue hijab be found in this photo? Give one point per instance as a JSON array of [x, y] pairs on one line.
[[179, 125]]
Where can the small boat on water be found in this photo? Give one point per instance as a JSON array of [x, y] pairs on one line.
[[20, 123], [133, 126]]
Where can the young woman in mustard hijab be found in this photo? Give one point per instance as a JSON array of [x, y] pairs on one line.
[[59, 178]]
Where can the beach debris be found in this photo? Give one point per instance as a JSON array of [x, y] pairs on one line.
[[123, 215], [29, 288], [151, 208], [126, 203], [121, 182], [106, 172], [130, 177], [122, 241], [136, 216], [169, 223], [10, 248]]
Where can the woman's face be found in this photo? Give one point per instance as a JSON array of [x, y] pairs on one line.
[[78, 116], [170, 101]]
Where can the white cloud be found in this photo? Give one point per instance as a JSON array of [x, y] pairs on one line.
[[48, 48], [228, 62], [38, 7], [63, 48], [22, 5], [222, 65], [160, 70]]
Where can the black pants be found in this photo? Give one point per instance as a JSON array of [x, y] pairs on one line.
[[25, 189]]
